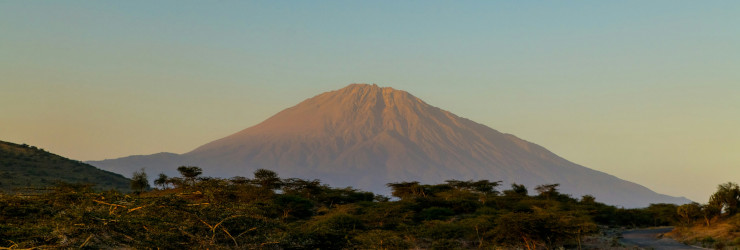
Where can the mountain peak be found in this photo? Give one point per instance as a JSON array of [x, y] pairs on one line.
[[363, 86], [355, 112], [359, 92]]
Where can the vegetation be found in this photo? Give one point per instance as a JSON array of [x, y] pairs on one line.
[[139, 181], [715, 224], [24, 167], [266, 211]]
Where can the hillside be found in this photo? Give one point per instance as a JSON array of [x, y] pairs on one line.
[[721, 232], [27, 166], [366, 136]]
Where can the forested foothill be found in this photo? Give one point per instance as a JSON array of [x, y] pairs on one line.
[[715, 224], [266, 211], [25, 166]]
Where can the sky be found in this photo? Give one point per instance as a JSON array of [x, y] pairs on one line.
[[648, 91]]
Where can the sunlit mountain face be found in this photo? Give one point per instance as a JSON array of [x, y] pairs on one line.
[[366, 136]]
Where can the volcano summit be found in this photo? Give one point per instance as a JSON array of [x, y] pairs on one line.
[[365, 136]]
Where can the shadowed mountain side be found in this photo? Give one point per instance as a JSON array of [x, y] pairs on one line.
[[23, 166], [366, 136]]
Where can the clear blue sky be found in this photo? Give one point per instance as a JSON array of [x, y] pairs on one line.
[[648, 91]]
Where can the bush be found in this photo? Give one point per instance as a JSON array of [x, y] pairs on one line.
[[435, 213]]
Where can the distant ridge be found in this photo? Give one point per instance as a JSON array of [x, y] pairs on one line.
[[24, 166], [366, 136]]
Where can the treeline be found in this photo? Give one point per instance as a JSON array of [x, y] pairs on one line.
[[267, 211]]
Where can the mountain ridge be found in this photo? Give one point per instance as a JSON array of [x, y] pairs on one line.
[[366, 136], [23, 166]]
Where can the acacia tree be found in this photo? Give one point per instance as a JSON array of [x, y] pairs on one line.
[[267, 179], [161, 180], [406, 190], [304, 188], [517, 190], [483, 188], [547, 190], [139, 181], [190, 173]]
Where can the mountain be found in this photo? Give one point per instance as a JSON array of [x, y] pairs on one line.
[[27, 166], [366, 136]]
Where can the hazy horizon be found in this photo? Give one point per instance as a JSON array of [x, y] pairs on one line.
[[645, 91]]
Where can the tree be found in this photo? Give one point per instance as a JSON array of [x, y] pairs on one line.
[[267, 179], [588, 199], [139, 181], [547, 190], [484, 188], [663, 214], [516, 190], [294, 206], [726, 198], [689, 212], [405, 190], [709, 211], [161, 180], [190, 173], [304, 188]]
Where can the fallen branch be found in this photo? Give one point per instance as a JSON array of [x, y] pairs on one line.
[[86, 240], [199, 204], [134, 209], [251, 229]]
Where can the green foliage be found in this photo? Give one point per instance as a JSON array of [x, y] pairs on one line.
[[689, 213], [267, 179], [381, 239], [161, 181], [189, 174], [547, 190], [139, 181], [652, 216], [516, 190], [435, 213], [726, 198]]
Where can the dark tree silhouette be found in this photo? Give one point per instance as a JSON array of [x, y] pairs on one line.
[[161, 181], [139, 181], [190, 173], [517, 190], [267, 179], [547, 190], [726, 198], [405, 190]]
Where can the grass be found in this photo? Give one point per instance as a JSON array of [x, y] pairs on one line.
[[722, 233]]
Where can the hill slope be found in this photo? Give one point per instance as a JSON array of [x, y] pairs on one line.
[[27, 166], [366, 136]]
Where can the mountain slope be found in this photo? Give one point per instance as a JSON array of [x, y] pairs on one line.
[[366, 136], [27, 166]]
